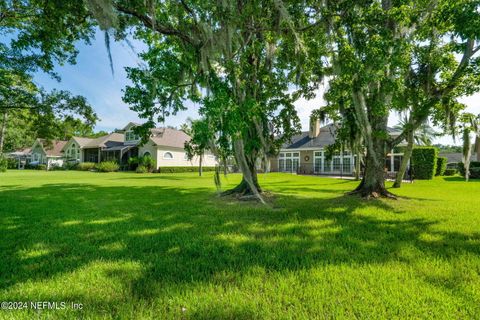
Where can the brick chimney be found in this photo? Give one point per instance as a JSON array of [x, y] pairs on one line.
[[314, 127]]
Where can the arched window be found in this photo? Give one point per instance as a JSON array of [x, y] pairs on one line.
[[147, 154], [167, 155]]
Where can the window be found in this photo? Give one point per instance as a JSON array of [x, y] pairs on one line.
[[347, 165], [185, 156], [317, 162], [147, 154], [327, 166], [336, 164], [167, 155], [131, 136], [289, 162]]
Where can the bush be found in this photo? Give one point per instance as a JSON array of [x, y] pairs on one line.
[[41, 167], [3, 164], [183, 169], [12, 163], [475, 173], [424, 162], [85, 166], [71, 165], [108, 166], [141, 169], [148, 162], [473, 164], [450, 172], [57, 168], [441, 166]]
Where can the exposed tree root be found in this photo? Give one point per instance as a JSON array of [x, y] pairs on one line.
[[367, 192], [243, 192]]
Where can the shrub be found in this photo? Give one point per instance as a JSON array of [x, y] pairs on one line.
[[475, 173], [141, 169], [12, 163], [183, 169], [424, 162], [473, 164], [148, 162], [3, 164], [41, 167], [85, 166], [441, 166], [57, 168], [450, 172], [108, 166]]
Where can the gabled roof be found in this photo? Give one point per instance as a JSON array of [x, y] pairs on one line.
[[53, 149], [100, 142], [325, 138], [130, 124], [169, 137]]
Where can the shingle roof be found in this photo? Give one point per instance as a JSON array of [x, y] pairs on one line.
[[325, 138], [82, 141], [101, 141], [300, 141], [456, 156], [54, 148], [169, 137]]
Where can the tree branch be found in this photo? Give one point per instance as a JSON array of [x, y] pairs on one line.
[[148, 22]]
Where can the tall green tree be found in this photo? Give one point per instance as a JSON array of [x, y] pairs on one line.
[[382, 51], [251, 50], [197, 146]]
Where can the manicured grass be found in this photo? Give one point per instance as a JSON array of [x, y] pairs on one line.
[[164, 246]]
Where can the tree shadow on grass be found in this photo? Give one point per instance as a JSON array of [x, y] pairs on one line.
[[186, 236]]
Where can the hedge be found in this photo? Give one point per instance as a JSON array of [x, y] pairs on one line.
[[441, 166], [475, 173], [3, 164], [183, 169], [424, 162], [473, 164], [450, 172]]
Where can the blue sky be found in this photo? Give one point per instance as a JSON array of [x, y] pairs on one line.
[[92, 78]]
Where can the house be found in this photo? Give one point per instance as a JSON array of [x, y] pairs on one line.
[[96, 150], [47, 153], [21, 156], [453, 158], [165, 146], [305, 153]]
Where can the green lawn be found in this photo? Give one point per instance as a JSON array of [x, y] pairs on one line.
[[164, 246]]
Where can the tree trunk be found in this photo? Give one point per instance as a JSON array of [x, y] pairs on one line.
[[200, 165], [373, 181], [406, 158], [244, 188], [225, 169], [3, 131], [358, 166]]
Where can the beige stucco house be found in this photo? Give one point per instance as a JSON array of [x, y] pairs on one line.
[[165, 146], [305, 153]]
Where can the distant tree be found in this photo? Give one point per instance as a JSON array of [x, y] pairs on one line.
[[422, 135], [469, 123], [201, 137], [50, 115]]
